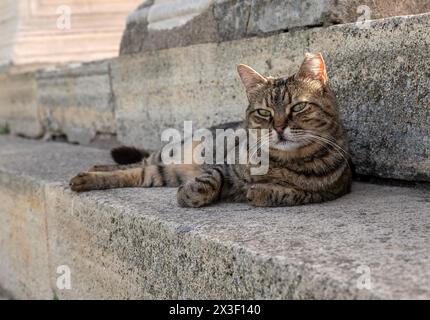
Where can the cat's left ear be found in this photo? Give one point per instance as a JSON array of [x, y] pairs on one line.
[[251, 79], [313, 67]]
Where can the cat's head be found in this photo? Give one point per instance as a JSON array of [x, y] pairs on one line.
[[296, 109]]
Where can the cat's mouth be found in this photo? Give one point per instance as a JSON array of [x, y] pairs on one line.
[[285, 143]]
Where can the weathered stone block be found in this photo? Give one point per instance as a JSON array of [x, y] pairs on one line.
[[170, 23], [18, 104], [382, 81], [344, 11], [23, 247], [269, 16], [74, 101], [77, 101], [23, 232]]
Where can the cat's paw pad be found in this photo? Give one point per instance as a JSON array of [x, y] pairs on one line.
[[84, 181], [191, 195], [258, 196]]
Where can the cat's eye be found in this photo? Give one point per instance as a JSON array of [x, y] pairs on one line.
[[299, 107], [264, 113]]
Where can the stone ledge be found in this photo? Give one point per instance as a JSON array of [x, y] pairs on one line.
[[165, 24], [136, 243]]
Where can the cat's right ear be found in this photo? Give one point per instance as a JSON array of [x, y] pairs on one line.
[[313, 67], [251, 79]]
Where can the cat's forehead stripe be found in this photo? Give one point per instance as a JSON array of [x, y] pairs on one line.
[[278, 94]]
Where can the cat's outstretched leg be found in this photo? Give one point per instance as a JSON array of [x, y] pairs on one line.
[[203, 190], [143, 176], [113, 167], [86, 181]]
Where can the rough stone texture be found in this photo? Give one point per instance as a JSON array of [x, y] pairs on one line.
[[344, 11], [380, 76], [77, 101], [8, 26], [5, 295], [136, 243], [74, 102], [382, 81], [139, 36], [187, 22], [279, 15], [18, 104], [23, 238]]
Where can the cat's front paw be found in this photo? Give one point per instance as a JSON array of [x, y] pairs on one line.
[[191, 195], [84, 181], [259, 196]]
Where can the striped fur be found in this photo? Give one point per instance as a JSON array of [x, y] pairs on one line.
[[309, 153]]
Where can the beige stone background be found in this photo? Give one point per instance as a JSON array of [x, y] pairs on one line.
[[29, 36]]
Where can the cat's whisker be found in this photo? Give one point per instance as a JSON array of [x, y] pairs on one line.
[[259, 141], [328, 140], [256, 146], [256, 151], [264, 143], [323, 143]]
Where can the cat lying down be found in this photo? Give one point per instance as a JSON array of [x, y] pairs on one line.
[[297, 120]]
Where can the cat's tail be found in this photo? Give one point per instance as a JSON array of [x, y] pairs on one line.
[[128, 155]]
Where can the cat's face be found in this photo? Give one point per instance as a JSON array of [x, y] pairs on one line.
[[299, 110]]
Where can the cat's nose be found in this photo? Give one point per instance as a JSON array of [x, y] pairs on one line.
[[280, 129]]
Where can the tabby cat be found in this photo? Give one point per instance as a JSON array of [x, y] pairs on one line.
[[309, 159]]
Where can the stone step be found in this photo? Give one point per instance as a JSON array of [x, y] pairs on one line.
[[136, 243], [164, 24], [378, 72]]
